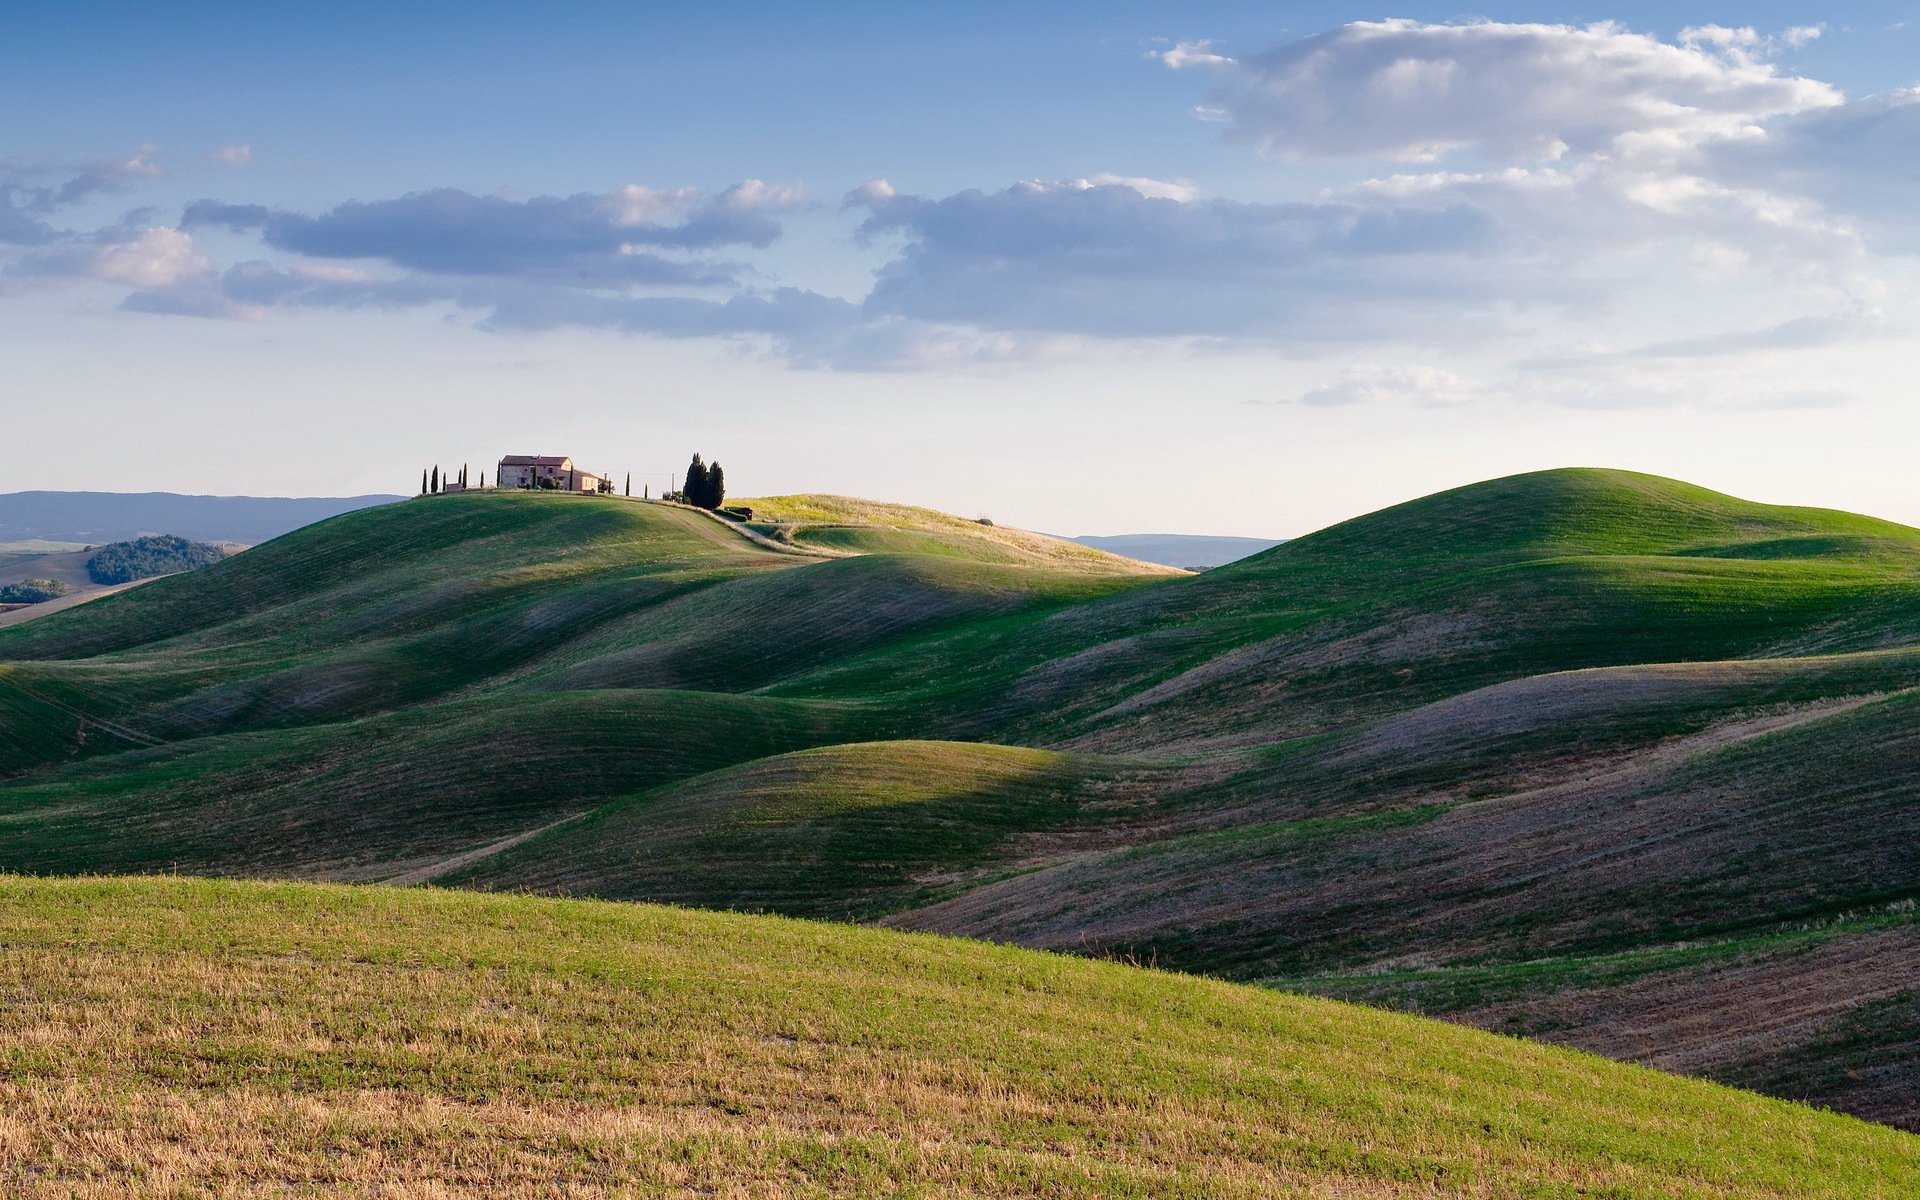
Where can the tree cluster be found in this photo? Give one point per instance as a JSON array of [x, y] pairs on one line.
[[706, 484], [143, 558]]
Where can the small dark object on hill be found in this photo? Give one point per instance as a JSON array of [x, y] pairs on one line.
[[738, 512], [143, 558], [983, 520], [33, 591]]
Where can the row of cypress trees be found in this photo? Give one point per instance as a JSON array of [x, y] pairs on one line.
[[432, 483]]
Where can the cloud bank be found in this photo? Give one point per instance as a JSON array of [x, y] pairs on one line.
[[1500, 175]]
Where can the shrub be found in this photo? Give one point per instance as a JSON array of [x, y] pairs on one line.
[[33, 591]]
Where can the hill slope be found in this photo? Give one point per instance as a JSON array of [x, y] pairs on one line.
[[461, 1045], [1586, 754], [848, 525]]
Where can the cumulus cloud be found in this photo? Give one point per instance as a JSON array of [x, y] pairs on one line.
[[1513, 92], [1855, 159], [1155, 189], [1583, 166], [1621, 177], [587, 260], [30, 193], [594, 236], [157, 257], [1108, 260], [238, 154]]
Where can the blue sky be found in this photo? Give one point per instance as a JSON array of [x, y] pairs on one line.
[[1339, 256]]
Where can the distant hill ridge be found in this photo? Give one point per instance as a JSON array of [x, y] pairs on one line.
[[96, 518], [1179, 549]]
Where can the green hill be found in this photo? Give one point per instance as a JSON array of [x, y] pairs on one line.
[[844, 831], [1594, 756], [846, 525], [1499, 581], [196, 1038]]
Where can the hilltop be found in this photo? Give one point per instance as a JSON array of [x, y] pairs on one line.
[[845, 524], [1594, 756], [469, 1045]]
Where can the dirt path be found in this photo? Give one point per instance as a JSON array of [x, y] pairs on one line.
[[432, 870]]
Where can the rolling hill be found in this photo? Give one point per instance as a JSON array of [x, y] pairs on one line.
[[382, 1041], [844, 524], [1597, 757]]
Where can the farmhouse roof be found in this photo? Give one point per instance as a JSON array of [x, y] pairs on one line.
[[536, 460]]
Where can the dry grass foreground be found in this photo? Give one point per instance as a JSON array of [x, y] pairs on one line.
[[194, 1038]]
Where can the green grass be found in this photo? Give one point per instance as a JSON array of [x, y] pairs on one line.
[[848, 831], [1571, 716], [376, 796], [193, 1038], [846, 525]]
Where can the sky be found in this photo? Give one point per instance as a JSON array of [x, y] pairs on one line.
[[1083, 267]]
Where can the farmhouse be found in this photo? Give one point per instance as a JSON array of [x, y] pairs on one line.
[[544, 470]]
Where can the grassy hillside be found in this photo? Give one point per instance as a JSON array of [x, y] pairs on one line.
[[383, 795], [845, 524], [1518, 577], [846, 831], [1584, 754], [376, 1041]]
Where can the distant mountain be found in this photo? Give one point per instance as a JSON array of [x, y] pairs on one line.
[[96, 518], [1178, 549]]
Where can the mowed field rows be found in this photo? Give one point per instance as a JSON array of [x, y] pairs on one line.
[[1595, 757]]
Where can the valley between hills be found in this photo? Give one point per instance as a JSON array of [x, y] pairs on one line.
[[1595, 758]]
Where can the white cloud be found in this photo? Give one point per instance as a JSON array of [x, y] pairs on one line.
[[148, 258], [635, 204], [156, 258], [1187, 55], [1406, 90], [238, 154], [1157, 189]]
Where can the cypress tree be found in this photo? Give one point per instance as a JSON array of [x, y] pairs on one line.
[[436, 479], [716, 486], [629, 483], [696, 486], [423, 481]]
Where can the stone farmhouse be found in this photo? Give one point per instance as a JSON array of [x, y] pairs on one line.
[[545, 470]]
